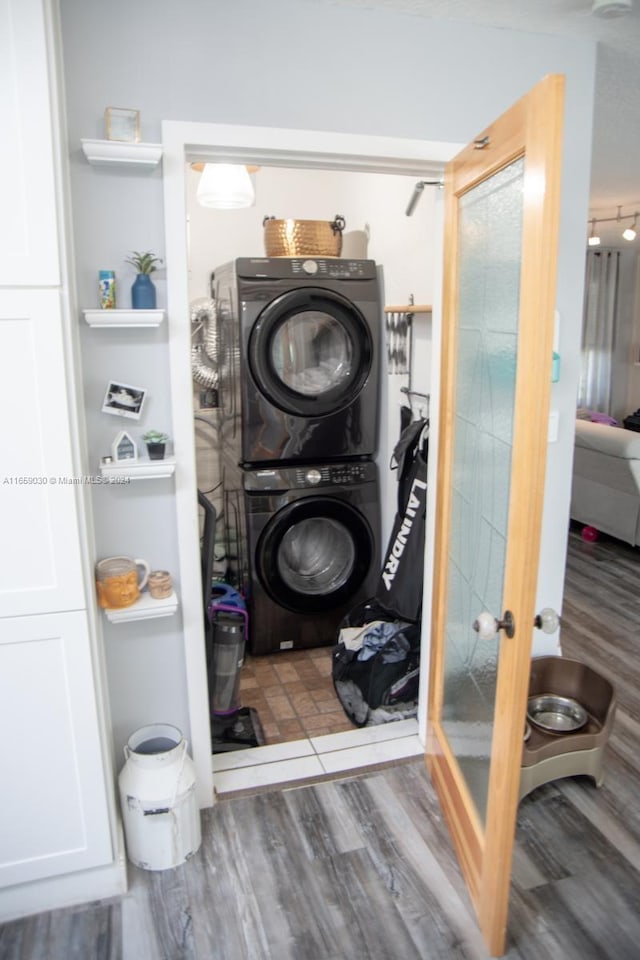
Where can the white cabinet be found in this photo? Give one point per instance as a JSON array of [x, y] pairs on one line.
[[40, 563], [28, 238], [53, 804]]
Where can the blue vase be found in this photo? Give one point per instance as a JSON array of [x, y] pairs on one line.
[[143, 293]]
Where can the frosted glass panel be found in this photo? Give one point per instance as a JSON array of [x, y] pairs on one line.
[[490, 230]]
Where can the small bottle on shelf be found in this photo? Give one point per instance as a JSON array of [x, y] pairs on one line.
[[107, 289]]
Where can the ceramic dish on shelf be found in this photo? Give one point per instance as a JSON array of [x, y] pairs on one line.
[[556, 714]]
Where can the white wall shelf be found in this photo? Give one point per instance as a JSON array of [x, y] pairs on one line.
[[120, 153], [140, 469], [124, 318], [146, 608]]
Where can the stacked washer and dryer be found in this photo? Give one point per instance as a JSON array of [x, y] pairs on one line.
[[298, 354]]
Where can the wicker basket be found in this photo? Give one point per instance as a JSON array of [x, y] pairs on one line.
[[303, 238]]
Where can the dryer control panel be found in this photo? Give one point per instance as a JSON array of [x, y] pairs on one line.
[[306, 268], [340, 269]]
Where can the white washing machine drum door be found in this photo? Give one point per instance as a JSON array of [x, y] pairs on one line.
[[315, 554], [310, 352]]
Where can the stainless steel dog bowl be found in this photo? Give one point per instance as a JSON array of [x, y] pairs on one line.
[[556, 714]]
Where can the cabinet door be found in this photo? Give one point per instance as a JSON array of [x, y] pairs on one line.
[[53, 805], [40, 561], [28, 237]]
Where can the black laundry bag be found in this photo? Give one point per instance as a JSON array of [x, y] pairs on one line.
[[383, 687], [400, 585], [376, 660]]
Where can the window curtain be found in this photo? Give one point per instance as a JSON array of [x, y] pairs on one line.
[[598, 329]]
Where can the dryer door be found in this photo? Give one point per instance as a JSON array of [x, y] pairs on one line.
[[310, 352], [314, 554]]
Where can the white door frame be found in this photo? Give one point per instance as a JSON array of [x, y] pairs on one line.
[[183, 142]]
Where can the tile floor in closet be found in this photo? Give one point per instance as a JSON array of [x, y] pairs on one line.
[[293, 694], [307, 733]]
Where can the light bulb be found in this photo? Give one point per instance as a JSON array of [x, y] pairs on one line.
[[593, 240], [630, 232]]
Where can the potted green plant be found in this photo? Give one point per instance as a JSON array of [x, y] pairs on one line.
[[155, 441], [143, 291]]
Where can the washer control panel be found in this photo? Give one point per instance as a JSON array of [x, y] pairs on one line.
[[308, 476], [313, 476], [335, 474], [348, 473]]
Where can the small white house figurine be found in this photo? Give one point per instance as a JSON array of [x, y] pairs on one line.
[[124, 448]]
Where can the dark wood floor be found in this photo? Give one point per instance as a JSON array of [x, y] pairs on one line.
[[362, 867]]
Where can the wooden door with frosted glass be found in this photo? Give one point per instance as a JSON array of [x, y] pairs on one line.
[[501, 225]]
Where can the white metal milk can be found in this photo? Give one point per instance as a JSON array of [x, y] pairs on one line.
[[158, 798]]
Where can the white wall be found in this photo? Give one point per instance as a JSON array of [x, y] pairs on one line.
[[309, 66]]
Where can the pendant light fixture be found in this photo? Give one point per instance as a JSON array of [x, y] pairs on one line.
[[225, 186], [629, 234]]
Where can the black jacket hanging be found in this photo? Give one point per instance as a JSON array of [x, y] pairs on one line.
[[400, 585]]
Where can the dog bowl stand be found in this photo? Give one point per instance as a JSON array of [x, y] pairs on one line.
[[548, 756]]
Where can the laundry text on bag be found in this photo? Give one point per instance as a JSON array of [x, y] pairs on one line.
[[399, 544]]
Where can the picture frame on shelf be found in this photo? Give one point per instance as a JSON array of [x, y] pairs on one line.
[[123, 400], [122, 124]]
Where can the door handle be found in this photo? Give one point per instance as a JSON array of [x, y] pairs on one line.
[[486, 626], [547, 620]]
